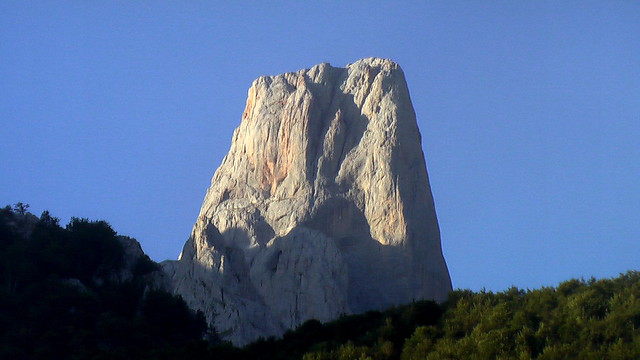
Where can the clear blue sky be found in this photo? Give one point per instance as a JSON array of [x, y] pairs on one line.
[[529, 112]]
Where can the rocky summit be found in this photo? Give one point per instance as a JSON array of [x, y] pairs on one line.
[[322, 207]]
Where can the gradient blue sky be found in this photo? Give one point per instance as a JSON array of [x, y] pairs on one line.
[[529, 113]]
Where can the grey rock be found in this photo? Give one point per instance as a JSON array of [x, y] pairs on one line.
[[132, 253], [322, 207]]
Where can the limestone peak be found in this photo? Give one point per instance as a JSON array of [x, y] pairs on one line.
[[321, 207]]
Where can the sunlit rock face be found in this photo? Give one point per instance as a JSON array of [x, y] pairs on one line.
[[322, 207]]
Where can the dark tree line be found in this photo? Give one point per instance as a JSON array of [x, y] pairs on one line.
[[592, 319], [75, 293], [67, 293]]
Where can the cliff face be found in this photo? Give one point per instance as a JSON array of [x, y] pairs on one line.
[[321, 207]]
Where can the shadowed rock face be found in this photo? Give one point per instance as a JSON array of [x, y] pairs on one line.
[[321, 207]]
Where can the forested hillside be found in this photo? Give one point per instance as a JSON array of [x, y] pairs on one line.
[[84, 292], [592, 319]]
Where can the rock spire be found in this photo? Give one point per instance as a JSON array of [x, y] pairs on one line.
[[321, 207]]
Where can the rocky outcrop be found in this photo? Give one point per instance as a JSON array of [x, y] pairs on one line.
[[321, 207]]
